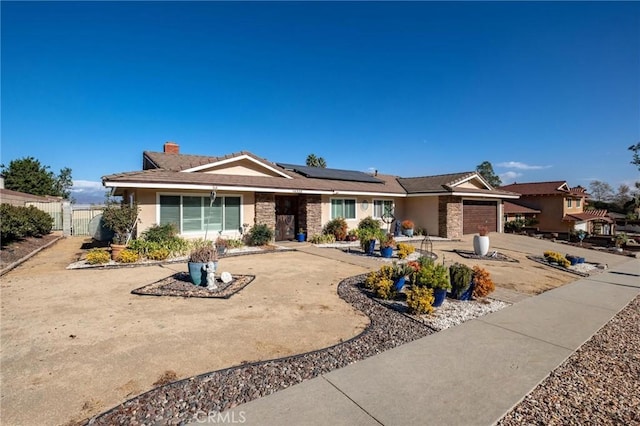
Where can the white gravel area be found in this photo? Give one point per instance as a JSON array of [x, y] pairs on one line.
[[454, 312], [585, 268]]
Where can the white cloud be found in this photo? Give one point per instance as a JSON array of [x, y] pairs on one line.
[[509, 177], [83, 186], [520, 166]]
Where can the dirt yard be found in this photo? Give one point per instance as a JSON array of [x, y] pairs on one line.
[[76, 342]]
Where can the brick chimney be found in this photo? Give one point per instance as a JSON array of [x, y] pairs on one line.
[[171, 148]]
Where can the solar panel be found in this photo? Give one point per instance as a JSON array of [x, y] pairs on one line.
[[332, 174]]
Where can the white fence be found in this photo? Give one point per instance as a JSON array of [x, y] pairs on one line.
[[80, 216]]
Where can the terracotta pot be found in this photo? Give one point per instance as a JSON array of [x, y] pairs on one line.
[[116, 249]]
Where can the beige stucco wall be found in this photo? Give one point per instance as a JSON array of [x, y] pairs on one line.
[[242, 168], [471, 184], [149, 211], [424, 212]]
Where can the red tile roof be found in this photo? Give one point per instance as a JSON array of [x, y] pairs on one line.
[[545, 188], [588, 215], [513, 208]]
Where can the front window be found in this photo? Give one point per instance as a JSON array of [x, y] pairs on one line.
[[380, 207], [192, 214], [578, 202], [569, 202], [345, 208]]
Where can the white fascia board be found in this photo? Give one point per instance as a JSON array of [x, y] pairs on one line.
[[232, 160], [474, 176], [468, 194], [371, 194], [211, 187]]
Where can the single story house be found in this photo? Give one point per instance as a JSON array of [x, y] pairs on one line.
[[178, 188], [561, 208]]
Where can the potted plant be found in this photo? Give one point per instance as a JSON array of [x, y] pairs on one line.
[[407, 227], [352, 235], [387, 243], [461, 277], [222, 245], [121, 218], [203, 253], [300, 235], [367, 237], [481, 241], [400, 273], [436, 277]]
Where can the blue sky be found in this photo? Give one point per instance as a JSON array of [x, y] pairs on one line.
[[544, 91]]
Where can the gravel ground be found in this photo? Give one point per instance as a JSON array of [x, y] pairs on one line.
[[598, 385]]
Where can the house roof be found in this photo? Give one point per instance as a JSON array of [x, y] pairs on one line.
[[180, 162], [588, 215], [447, 184], [513, 208], [557, 187], [158, 177]]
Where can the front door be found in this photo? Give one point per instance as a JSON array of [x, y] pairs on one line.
[[286, 210]]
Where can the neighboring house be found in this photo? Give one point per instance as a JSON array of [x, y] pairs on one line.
[[16, 198], [513, 211], [561, 208], [176, 188]]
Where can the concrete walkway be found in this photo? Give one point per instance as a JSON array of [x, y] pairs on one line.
[[471, 374]]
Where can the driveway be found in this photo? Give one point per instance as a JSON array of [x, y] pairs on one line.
[[75, 343]]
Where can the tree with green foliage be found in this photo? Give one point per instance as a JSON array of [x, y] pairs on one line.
[[28, 175], [314, 161], [486, 171]]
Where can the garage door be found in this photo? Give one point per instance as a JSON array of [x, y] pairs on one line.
[[476, 213]]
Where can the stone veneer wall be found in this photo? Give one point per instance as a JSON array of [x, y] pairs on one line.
[[266, 209], [310, 214], [450, 217]]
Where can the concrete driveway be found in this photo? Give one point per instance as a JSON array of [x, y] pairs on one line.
[[75, 343]]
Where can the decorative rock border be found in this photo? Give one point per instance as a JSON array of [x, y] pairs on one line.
[[179, 285], [495, 255], [182, 401]]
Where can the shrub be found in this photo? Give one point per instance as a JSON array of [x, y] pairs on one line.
[[234, 243], [158, 254], [432, 275], [514, 225], [461, 276], [97, 256], [369, 223], [160, 233], [381, 282], [386, 240], [419, 300], [121, 218], [483, 284], [203, 252], [336, 227], [21, 222], [405, 250], [552, 256], [322, 239], [260, 234], [128, 256]]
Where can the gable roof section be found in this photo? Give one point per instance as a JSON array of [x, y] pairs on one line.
[[589, 215], [443, 184], [557, 187], [193, 163]]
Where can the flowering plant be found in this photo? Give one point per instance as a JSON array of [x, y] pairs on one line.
[[407, 224]]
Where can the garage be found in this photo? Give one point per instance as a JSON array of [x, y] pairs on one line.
[[476, 213]]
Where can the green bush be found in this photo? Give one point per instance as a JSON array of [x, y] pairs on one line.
[[432, 275], [336, 227], [160, 233], [21, 222], [98, 256], [260, 235], [461, 276], [322, 239], [158, 254], [514, 225], [369, 223]]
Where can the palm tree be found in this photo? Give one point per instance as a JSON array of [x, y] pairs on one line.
[[313, 161]]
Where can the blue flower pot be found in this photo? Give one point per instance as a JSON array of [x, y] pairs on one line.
[[370, 247], [439, 295], [300, 237], [197, 273], [386, 252], [408, 232], [399, 283], [468, 295]]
